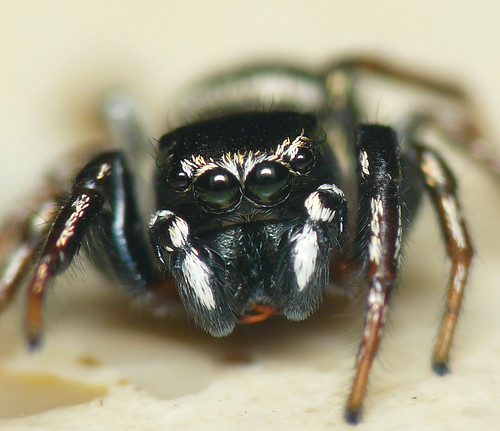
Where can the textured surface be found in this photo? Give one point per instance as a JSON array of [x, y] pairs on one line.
[[103, 366]]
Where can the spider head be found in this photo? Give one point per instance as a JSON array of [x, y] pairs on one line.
[[247, 166]]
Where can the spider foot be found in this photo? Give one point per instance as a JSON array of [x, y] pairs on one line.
[[441, 369], [352, 416]]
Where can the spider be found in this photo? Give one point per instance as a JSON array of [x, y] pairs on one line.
[[271, 193]]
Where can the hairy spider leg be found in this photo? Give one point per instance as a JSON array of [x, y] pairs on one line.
[[24, 242], [122, 117], [442, 188], [456, 128], [377, 244], [366, 64], [62, 243], [101, 204], [458, 125], [20, 239]]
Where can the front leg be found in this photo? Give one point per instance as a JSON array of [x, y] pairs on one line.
[[198, 272], [305, 251], [378, 243], [101, 203]]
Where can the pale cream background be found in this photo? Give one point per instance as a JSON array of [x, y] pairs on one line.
[[125, 369]]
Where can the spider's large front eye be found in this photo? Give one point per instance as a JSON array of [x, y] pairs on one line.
[[217, 189], [267, 184]]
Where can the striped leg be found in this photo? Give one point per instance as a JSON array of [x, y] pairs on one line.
[[457, 123], [102, 208], [378, 242], [442, 188], [20, 239]]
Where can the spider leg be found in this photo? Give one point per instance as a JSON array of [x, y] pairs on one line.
[[100, 204], [305, 251], [456, 123], [16, 264], [375, 66], [122, 116], [342, 77], [20, 239], [455, 127], [377, 243], [442, 188]]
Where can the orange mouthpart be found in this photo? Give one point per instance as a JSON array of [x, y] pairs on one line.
[[259, 314]]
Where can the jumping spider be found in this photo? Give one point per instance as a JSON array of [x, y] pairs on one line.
[[275, 193]]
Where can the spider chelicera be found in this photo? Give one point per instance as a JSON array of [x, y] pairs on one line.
[[271, 194]]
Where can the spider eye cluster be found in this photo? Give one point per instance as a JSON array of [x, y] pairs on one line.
[[249, 158], [267, 184]]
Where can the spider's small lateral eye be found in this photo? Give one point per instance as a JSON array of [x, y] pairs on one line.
[[178, 179], [217, 189], [267, 183], [303, 160]]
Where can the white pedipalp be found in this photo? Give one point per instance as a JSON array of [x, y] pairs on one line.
[[304, 254], [195, 272], [316, 209], [161, 214], [196, 275], [179, 231]]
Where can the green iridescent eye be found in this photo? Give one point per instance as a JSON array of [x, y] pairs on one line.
[[267, 183], [217, 189]]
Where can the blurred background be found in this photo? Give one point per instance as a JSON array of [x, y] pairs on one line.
[[58, 57]]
